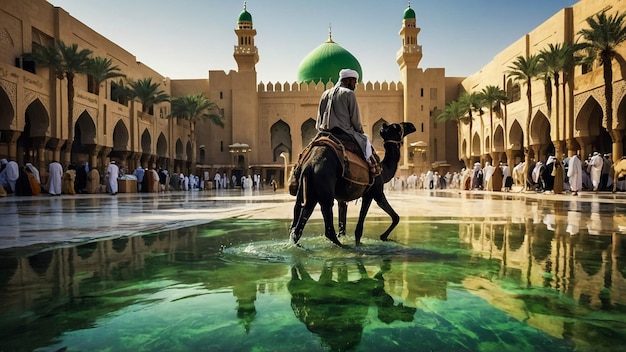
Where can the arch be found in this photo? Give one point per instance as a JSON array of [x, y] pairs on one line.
[[146, 142], [498, 139], [377, 140], [280, 135], [7, 112], [308, 131], [188, 151], [84, 134], [540, 129], [590, 111], [179, 149], [516, 136], [476, 145], [161, 145], [513, 91], [280, 149], [87, 129], [589, 123], [120, 136], [39, 118]]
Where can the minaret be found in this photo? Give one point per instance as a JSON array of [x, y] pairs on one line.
[[408, 59], [245, 104], [410, 54], [246, 54]]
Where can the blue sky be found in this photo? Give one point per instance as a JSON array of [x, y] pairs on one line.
[[187, 38]]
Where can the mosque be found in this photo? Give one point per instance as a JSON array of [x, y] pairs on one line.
[[266, 124]]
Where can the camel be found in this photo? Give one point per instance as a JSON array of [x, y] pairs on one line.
[[619, 172], [321, 182]]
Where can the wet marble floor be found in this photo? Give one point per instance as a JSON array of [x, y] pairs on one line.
[[44, 220]]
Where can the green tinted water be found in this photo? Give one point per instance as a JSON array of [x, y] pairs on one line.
[[237, 285]]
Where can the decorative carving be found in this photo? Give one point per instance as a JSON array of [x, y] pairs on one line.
[[11, 89], [5, 37], [79, 108], [30, 96], [581, 99]]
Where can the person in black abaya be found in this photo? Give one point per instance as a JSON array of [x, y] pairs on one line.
[[80, 184], [22, 185]]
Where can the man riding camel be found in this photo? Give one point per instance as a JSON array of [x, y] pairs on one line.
[[338, 113]]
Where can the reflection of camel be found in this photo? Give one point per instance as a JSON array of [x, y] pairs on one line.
[[337, 310], [321, 181]]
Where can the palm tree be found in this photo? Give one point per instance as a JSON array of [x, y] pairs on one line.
[[604, 35], [557, 59], [66, 62], [524, 70], [471, 102], [457, 112], [147, 93], [492, 96], [102, 69], [195, 107]]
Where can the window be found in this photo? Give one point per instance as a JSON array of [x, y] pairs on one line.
[[421, 92]]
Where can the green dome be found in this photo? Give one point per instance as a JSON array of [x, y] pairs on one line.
[[409, 13], [245, 16], [325, 62]]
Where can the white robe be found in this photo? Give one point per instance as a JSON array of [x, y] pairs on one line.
[[12, 172], [56, 175], [114, 172], [596, 170], [574, 172]]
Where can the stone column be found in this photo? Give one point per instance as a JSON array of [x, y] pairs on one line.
[[94, 150], [572, 147], [617, 145], [11, 137]]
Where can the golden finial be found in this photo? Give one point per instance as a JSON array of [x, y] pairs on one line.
[[244, 6], [330, 33]]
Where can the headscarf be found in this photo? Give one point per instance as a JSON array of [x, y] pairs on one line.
[[34, 171], [348, 73]]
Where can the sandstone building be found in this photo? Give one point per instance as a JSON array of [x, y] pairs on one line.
[[262, 121]]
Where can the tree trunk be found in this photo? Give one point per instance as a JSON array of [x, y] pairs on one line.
[[70, 118]]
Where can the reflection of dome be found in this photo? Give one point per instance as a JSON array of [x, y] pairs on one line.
[[409, 13], [325, 62]]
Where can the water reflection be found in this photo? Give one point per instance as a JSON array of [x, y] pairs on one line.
[[540, 282], [336, 308]]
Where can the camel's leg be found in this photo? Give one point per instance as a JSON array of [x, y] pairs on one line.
[[383, 203], [342, 208], [358, 231], [297, 229], [329, 226]]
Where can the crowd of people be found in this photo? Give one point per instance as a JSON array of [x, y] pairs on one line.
[[76, 179], [550, 176]]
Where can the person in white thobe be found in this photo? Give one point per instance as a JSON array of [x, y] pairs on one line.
[[54, 179], [575, 174], [12, 172], [487, 172], [595, 170], [113, 171]]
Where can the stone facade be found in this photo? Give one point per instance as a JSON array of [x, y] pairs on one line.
[[577, 120]]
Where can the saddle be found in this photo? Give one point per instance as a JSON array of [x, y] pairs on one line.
[[354, 167]]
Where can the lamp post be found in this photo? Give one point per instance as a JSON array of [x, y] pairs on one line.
[[285, 155]]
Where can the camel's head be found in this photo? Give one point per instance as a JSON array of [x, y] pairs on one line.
[[396, 131]]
